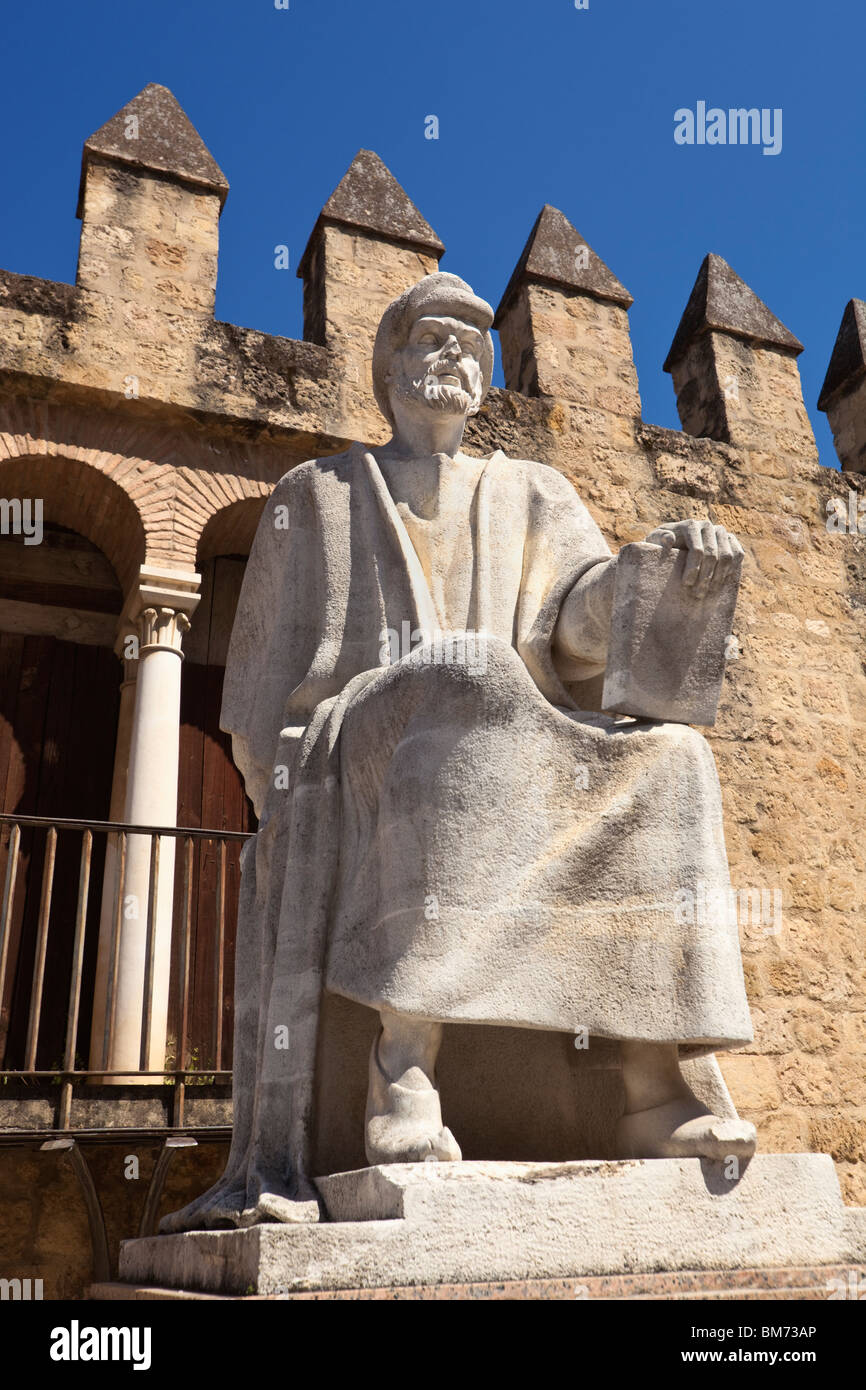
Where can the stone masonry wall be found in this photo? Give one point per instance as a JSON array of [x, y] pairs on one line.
[[790, 746]]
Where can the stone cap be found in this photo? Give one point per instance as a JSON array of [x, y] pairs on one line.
[[721, 300], [157, 587], [552, 255], [168, 143], [848, 359], [370, 198]]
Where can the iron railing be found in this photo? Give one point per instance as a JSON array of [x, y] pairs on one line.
[[53, 926]]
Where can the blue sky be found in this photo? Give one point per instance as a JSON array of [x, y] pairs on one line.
[[537, 102]]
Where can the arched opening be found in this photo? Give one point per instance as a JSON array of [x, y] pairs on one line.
[[82, 498], [59, 698]]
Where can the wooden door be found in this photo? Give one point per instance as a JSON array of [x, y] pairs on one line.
[[210, 796], [58, 723]]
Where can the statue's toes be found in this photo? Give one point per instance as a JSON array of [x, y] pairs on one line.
[[271, 1207], [444, 1148], [189, 1218], [733, 1138], [224, 1214], [173, 1223], [715, 1138], [389, 1141], [216, 1208], [683, 1129]]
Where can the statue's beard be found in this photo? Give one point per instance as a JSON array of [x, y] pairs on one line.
[[456, 400]]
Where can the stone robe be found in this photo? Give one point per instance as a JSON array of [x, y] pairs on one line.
[[453, 839]]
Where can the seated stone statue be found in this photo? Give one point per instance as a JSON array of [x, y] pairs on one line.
[[444, 837]]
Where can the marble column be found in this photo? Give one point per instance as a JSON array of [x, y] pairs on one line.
[[159, 612], [107, 917]]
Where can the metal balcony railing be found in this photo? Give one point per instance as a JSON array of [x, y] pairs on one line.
[[52, 938]]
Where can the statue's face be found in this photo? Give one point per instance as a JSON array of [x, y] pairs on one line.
[[440, 366]]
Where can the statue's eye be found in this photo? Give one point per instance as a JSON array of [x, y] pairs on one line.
[[429, 339]]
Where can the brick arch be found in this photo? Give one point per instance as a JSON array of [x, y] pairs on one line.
[[80, 495], [230, 530], [176, 482]]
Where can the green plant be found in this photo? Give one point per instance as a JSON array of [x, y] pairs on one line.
[[193, 1065]]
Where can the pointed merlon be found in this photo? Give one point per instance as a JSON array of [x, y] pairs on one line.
[[370, 198], [721, 300], [556, 254], [848, 359], [153, 132]]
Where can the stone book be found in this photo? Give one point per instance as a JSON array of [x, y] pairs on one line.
[[668, 648]]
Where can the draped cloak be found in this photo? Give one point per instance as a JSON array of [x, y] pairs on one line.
[[452, 839]]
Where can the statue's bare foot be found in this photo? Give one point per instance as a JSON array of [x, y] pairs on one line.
[[663, 1116], [235, 1205], [220, 1206], [404, 1117], [683, 1128], [269, 1200]]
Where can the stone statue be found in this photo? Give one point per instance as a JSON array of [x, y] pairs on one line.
[[443, 836]]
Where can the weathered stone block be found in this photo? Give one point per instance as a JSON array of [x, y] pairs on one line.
[[456, 1223]]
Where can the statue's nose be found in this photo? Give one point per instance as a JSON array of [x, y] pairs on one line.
[[451, 348]]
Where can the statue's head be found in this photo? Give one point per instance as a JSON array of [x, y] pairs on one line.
[[434, 349]]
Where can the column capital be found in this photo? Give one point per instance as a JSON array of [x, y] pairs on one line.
[[158, 608], [162, 627]]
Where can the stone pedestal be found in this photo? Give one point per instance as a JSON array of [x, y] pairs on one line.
[[459, 1223]]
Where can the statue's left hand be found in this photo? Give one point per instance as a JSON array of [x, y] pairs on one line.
[[711, 552]]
